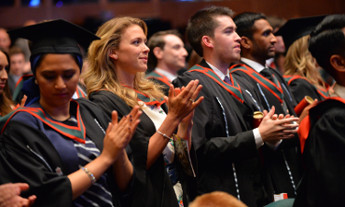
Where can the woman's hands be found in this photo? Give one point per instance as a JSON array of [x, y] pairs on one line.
[[275, 127], [186, 124], [181, 105], [117, 137], [119, 134], [181, 102]]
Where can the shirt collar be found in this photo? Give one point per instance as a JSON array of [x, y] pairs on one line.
[[255, 65], [167, 74], [339, 91], [218, 72]]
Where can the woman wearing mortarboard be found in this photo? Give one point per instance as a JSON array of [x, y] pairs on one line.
[[64, 149]]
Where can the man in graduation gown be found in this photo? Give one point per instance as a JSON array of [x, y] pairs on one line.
[[281, 161], [227, 148], [323, 131], [166, 57]]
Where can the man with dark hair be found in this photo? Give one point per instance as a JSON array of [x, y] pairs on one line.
[[324, 152], [223, 136], [166, 57], [281, 161]]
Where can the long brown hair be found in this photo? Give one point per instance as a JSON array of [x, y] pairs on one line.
[[6, 104], [101, 75], [299, 61]]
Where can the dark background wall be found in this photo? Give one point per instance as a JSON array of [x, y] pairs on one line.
[[176, 13]]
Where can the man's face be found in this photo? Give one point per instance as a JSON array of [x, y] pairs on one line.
[[263, 41], [17, 64], [173, 55], [226, 42]]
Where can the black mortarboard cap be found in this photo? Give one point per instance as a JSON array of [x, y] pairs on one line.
[[296, 28], [55, 36]]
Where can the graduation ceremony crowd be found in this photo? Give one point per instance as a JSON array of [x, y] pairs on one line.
[[248, 113]]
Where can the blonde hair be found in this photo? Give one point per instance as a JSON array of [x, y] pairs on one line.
[[216, 199], [101, 73], [299, 61]]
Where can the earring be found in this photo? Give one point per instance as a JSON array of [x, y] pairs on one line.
[[36, 82]]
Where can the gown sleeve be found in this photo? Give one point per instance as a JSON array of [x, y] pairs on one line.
[[26, 156], [208, 137]]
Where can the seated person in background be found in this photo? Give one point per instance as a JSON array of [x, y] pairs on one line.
[[217, 199], [65, 150], [5, 40], [324, 130], [167, 56], [17, 59], [301, 71]]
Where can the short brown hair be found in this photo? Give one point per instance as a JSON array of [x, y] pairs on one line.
[[157, 40], [203, 23], [15, 50]]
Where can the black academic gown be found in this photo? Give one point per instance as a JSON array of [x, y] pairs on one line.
[[324, 157], [222, 137], [301, 87], [28, 155], [278, 162], [270, 99], [154, 187], [160, 79]]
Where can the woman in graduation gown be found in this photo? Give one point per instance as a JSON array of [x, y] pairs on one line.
[[116, 80], [301, 72], [64, 149]]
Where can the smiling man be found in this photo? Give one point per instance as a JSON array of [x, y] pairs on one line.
[[281, 159], [167, 56]]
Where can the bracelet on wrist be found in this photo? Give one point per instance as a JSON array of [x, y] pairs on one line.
[[164, 135], [89, 174]]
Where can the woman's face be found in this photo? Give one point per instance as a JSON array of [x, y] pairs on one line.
[[131, 56], [3, 72], [57, 77]]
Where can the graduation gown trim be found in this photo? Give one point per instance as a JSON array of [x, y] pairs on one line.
[[277, 91], [144, 97], [305, 125], [77, 133], [152, 187], [156, 75], [290, 78], [27, 154], [233, 90]]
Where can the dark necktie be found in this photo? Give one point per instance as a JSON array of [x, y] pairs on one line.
[[267, 74], [227, 80]]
